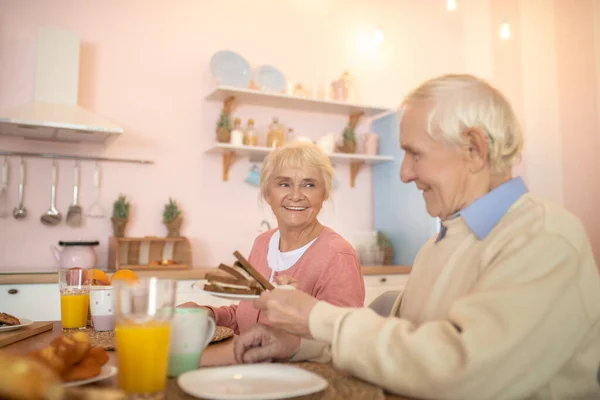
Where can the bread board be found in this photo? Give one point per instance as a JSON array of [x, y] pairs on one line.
[[36, 328]]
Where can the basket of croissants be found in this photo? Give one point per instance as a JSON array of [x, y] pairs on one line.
[[41, 374]]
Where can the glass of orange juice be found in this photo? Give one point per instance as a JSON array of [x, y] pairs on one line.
[[74, 297], [143, 312]]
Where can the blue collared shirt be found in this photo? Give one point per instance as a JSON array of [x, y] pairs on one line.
[[482, 215]]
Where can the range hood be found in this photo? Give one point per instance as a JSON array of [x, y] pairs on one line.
[[54, 113]]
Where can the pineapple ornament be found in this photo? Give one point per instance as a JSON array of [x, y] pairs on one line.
[[120, 216], [224, 122], [348, 136], [172, 218]]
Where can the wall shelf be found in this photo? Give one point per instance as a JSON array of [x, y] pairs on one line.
[[284, 101], [229, 152]]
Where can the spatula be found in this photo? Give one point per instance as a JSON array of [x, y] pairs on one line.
[[96, 210], [52, 217], [74, 216], [4, 190]]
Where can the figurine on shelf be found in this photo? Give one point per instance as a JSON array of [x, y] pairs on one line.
[[224, 124], [349, 138], [342, 89]]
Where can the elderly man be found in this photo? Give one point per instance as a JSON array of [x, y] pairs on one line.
[[503, 304]]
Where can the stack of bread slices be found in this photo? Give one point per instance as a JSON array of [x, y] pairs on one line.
[[241, 278]]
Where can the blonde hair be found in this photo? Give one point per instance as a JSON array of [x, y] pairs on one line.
[[296, 155], [461, 102]]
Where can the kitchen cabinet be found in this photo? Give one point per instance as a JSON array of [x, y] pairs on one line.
[[41, 301], [376, 285], [37, 302]]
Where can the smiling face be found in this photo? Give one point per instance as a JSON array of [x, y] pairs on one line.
[[440, 170], [296, 196]]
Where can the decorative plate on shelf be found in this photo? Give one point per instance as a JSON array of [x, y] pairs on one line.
[[230, 69], [269, 79]]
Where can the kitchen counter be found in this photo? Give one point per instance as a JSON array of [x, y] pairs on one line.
[[29, 277]]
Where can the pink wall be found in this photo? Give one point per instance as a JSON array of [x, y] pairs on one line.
[[145, 65]]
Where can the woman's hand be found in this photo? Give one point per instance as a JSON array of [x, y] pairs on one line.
[[287, 309], [191, 304]]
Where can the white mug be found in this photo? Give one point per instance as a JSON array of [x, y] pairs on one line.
[[191, 331]]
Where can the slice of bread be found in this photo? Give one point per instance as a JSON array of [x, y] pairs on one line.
[[241, 278], [254, 273]]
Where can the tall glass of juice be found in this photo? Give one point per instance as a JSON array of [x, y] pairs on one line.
[[143, 313], [74, 297]]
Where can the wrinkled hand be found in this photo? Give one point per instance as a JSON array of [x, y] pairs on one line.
[[191, 304], [288, 310], [263, 343]]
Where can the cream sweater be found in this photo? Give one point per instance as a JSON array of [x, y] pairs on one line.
[[513, 316]]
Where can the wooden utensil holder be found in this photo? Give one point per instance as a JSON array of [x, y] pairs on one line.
[[149, 253]]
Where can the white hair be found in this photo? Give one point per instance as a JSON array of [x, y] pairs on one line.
[[462, 102]]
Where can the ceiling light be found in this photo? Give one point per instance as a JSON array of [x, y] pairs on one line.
[[505, 31]]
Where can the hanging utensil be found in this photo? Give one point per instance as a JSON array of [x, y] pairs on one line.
[[52, 217], [96, 209], [74, 216], [4, 190], [21, 212]]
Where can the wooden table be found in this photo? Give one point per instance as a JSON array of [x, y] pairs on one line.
[[339, 383]]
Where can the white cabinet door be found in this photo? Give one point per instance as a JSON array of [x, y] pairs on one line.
[[38, 302], [376, 285], [186, 293]]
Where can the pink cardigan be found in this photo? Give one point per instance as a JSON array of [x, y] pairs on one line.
[[329, 270]]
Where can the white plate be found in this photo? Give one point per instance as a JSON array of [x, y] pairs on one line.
[[24, 322], [269, 79], [251, 382], [106, 372], [199, 286], [230, 69]]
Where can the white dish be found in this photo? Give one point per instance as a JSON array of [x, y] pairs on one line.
[[106, 372], [199, 286], [230, 69], [251, 382], [24, 322], [269, 79]]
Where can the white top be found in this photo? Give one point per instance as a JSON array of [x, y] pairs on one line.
[[280, 261]]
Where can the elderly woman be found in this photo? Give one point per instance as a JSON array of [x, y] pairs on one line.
[[295, 181], [503, 304]]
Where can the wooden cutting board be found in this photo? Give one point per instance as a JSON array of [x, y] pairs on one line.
[[10, 337]]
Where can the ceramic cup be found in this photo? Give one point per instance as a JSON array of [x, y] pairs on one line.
[[191, 331], [327, 143], [101, 308], [371, 142]]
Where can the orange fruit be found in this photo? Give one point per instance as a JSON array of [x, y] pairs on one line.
[[97, 277], [123, 275]]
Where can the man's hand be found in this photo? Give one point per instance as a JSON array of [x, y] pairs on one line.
[[262, 343], [288, 310], [191, 304]]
